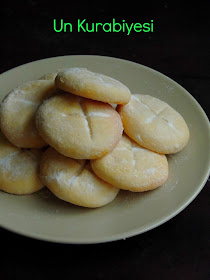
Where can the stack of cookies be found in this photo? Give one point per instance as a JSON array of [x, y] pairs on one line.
[[85, 137]]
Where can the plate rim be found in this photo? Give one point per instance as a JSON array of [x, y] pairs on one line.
[[136, 231]]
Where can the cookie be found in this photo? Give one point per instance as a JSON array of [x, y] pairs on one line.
[[19, 168], [82, 82], [17, 114], [131, 167], [77, 127], [49, 76], [154, 124], [73, 181]]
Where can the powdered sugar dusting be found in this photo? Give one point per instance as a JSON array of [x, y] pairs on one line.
[[103, 81], [19, 91], [60, 178], [64, 115], [72, 180], [26, 102], [121, 148], [84, 74], [135, 98], [75, 70], [5, 159], [136, 149], [98, 114], [171, 125], [7, 167], [150, 119], [139, 138], [89, 114], [64, 180], [150, 171]]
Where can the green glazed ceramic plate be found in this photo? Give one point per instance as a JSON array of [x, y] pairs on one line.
[[43, 216]]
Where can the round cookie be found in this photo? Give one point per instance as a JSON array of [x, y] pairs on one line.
[[154, 124], [19, 168], [17, 114], [131, 167], [73, 181], [82, 82], [78, 127]]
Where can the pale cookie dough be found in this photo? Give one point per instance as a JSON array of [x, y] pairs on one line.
[[19, 168], [17, 114], [73, 181], [78, 127], [49, 76], [154, 124], [131, 167], [82, 82]]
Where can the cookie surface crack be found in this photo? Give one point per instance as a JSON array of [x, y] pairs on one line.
[[87, 120], [133, 158], [157, 114], [77, 173], [161, 111]]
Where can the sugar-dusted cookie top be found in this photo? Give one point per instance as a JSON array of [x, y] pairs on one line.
[[78, 127], [131, 167], [154, 124], [17, 114], [85, 83], [74, 181], [19, 168]]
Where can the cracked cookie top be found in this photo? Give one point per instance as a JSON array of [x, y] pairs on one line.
[[78, 127]]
